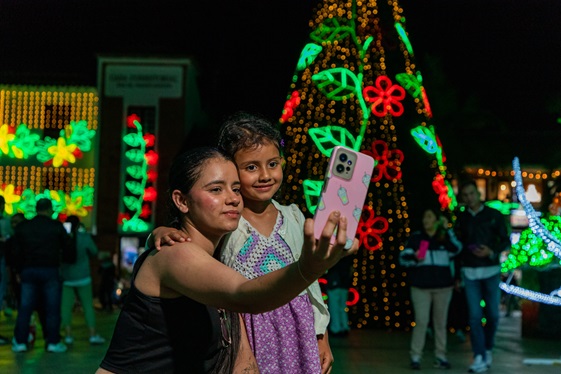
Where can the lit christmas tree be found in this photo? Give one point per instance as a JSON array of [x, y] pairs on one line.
[[356, 84]]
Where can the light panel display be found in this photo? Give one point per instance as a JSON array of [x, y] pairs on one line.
[[48, 138]]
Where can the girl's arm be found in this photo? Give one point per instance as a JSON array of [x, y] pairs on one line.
[[191, 271], [163, 235]]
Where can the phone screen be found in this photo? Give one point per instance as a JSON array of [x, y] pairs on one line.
[[67, 226]]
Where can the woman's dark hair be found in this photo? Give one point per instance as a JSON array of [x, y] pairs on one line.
[[247, 131], [185, 171], [440, 233]]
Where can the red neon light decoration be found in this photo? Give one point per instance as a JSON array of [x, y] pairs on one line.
[[388, 161], [355, 298], [441, 190], [149, 139], [370, 228], [288, 110], [385, 97]]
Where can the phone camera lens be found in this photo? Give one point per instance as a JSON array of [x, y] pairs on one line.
[[340, 168], [349, 162], [343, 157]]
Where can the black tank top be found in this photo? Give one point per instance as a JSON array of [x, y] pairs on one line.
[[158, 335]]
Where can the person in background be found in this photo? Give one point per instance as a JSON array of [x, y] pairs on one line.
[[14, 286], [180, 314], [40, 244], [107, 273], [339, 279], [484, 235], [427, 255], [77, 282]]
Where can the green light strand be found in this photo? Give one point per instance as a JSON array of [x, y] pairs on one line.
[[136, 188]]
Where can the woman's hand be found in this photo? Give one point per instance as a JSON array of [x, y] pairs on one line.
[[163, 235], [320, 255]]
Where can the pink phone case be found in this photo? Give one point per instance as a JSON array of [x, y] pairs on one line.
[[346, 184]]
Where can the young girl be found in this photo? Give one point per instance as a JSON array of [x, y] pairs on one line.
[[171, 321], [292, 338]]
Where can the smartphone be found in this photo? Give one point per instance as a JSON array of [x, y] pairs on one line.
[[423, 247], [347, 179]]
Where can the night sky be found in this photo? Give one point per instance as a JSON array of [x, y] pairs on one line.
[[490, 66]]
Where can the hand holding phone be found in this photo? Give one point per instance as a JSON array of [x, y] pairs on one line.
[[346, 185]]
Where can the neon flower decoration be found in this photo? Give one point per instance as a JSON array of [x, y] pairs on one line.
[[385, 97], [21, 143], [370, 228], [388, 162], [289, 106], [355, 298], [6, 136], [77, 202], [62, 153], [10, 198]]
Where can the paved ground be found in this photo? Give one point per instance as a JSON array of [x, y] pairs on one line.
[[362, 352]]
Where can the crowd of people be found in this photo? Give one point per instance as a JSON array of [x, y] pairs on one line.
[[46, 271], [245, 269]]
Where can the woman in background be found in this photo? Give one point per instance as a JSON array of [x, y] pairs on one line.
[[427, 254]]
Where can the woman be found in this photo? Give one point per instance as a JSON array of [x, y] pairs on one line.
[[176, 317], [427, 254], [77, 281]]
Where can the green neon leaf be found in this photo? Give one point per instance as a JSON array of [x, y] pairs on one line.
[[135, 187], [131, 202], [81, 135], [325, 138], [312, 191], [410, 83], [135, 171], [404, 38], [333, 29], [337, 83], [135, 155], [424, 136], [135, 225], [308, 55], [23, 144], [43, 154], [133, 140]]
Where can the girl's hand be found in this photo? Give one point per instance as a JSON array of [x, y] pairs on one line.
[[163, 235]]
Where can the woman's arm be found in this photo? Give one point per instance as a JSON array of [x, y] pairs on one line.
[[193, 272]]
